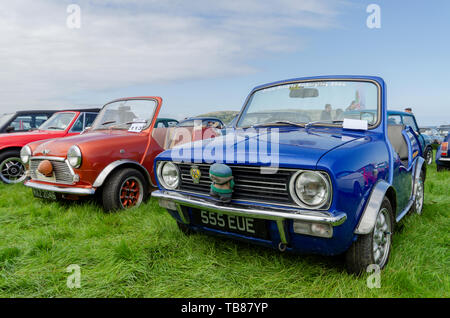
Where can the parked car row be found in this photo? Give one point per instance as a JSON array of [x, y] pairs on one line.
[[284, 175]]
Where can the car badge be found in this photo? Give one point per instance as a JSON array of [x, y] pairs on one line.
[[222, 182], [195, 174], [46, 151]]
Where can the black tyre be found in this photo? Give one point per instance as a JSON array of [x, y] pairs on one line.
[[428, 156], [12, 169], [185, 229], [417, 206], [375, 247], [124, 189]]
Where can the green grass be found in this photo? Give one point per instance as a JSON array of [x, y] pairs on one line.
[[141, 253]]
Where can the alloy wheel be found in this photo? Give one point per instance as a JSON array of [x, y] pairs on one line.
[[131, 193], [419, 196], [382, 237], [12, 170], [429, 157]]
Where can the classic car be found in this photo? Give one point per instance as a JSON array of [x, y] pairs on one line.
[[61, 124], [166, 122], [434, 135], [23, 120], [325, 186], [211, 122], [113, 159], [403, 118], [442, 155], [194, 129]]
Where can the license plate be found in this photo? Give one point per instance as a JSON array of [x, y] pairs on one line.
[[231, 223], [48, 195]]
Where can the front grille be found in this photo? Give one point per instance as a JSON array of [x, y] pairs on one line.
[[250, 183], [61, 171]]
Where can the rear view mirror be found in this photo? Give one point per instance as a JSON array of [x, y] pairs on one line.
[[10, 129], [301, 92]]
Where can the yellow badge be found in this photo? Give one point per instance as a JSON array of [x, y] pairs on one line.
[[195, 174]]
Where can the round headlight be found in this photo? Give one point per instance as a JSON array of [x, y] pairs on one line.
[[169, 175], [74, 157], [312, 188], [25, 154]]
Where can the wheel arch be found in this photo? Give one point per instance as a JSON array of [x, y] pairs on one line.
[[9, 148], [368, 218], [117, 165]]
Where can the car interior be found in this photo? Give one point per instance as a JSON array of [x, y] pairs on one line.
[[398, 142]]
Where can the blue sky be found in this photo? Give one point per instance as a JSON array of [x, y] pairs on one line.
[[203, 56]]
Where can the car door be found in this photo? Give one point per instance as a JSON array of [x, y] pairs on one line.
[[410, 121], [405, 151]]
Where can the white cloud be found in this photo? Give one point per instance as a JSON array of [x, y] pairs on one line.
[[125, 43]]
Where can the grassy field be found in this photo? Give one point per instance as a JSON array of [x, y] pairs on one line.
[[141, 253]]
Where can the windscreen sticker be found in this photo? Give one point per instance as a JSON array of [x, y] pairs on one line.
[[138, 125]]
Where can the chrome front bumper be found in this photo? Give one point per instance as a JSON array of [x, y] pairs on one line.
[[278, 215], [58, 189]]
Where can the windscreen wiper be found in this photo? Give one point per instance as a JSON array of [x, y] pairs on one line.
[[108, 122], [313, 123], [279, 123]]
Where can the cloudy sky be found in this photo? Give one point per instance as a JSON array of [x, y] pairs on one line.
[[203, 55]]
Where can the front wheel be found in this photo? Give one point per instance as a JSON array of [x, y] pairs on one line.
[[12, 169], [375, 247], [125, 189]]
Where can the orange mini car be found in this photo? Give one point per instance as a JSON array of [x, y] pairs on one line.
[[112, 159]]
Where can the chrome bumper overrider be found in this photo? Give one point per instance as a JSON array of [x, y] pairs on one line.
[[63, 190], [278, 215]]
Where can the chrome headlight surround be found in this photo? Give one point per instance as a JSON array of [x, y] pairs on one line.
[[25, 154], [166, 170], [299, 198], [74, 157]]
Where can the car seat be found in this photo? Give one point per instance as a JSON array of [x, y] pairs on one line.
[[398, 142]]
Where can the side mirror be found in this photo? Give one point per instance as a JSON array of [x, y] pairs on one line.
[[10, 129]]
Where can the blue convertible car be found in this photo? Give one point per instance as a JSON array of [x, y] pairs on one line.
[[297, 175]]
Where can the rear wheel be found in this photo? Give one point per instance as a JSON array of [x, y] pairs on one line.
[[417, 206], [125, 189], [12, 169], [375, 247], [429, 156]]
